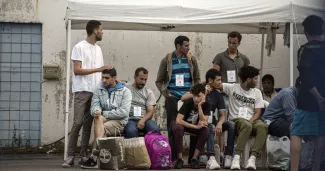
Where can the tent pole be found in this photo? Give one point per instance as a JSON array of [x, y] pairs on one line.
[[67, 90], [291, 54], [262, 56]]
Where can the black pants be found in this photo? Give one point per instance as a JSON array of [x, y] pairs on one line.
[[171, 112], [280, 128]]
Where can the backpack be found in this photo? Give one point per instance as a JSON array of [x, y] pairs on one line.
[[159, 150]]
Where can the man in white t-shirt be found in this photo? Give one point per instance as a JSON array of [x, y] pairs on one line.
[[88, 64], [245, 103]]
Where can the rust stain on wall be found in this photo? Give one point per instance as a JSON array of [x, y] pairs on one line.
[[60, 86], [46, 97], [198, 47], [17, 10]]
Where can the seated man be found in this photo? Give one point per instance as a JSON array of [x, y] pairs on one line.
[[268, 87], [142, 106], [216, 101], [279, 114], [110, 106], [192, 117], [245, 103]]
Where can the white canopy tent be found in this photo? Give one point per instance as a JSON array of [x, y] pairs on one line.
[[250, 16]]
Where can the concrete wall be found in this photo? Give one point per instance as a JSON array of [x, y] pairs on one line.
[[126, 50]]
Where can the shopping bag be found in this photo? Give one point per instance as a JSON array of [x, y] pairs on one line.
[[111, 153], [136, 154], [278, 152]]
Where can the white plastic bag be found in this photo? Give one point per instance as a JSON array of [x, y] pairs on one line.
[[278, 152]]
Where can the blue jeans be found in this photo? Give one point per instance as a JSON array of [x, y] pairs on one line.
[[226, 126], [131, 130]]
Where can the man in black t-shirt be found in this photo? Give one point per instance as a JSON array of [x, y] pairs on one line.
[[217, 105], [193, 118]]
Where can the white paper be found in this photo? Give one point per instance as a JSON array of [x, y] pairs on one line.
[[137, 111], [231, 76], [179, 80], [243, 111]]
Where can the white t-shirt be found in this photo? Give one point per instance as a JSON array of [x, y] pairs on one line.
[[239, 99], [91, 56]]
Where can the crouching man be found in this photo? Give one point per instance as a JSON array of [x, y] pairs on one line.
[[193, 118], [110, 106], [245, 103], [279, 114], [142, 106]]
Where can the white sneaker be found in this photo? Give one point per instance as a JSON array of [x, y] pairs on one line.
[[228, 161], [251, 163], [212, 164], [235, 164]]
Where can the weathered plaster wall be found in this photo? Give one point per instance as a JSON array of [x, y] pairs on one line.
[[126, 50]]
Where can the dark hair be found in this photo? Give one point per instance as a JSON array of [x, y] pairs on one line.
[[111, 72], [91, 26], [248, 72], [235, 34], [138, 70], [313, 25], [212, 73], [197, 89], [268, 77], [180, 39]]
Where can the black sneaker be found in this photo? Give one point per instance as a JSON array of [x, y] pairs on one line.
[[95, 152], [83, 160], [69, 162], [179, 164], [195, 164], [91, 163]]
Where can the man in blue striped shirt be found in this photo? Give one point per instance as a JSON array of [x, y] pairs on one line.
[[178, 71]]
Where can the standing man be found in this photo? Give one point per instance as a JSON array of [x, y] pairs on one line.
[[88, 64], [245, 103], [230, 61], [143, 106], [309, 118], [178, 71]]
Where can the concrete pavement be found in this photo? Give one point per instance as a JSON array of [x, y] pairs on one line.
[[38, 163]]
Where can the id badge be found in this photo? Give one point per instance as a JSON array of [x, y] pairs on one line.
[[179, 80], [231, 76], [137, 111], [210, 117], [243, 111]]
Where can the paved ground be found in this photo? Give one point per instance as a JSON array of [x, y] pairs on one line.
[[37, 163]]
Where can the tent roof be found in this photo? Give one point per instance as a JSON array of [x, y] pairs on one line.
[[191, 15]]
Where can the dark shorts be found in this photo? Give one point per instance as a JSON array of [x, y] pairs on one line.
[[308, 123]]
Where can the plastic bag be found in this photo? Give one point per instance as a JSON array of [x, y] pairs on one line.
[[278, 152]]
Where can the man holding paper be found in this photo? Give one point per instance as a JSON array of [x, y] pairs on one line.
[[245, 103], [142, 106]]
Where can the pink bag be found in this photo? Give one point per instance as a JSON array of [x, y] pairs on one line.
[[159, 150]]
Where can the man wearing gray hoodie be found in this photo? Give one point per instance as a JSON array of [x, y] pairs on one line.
[[110, 107]]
